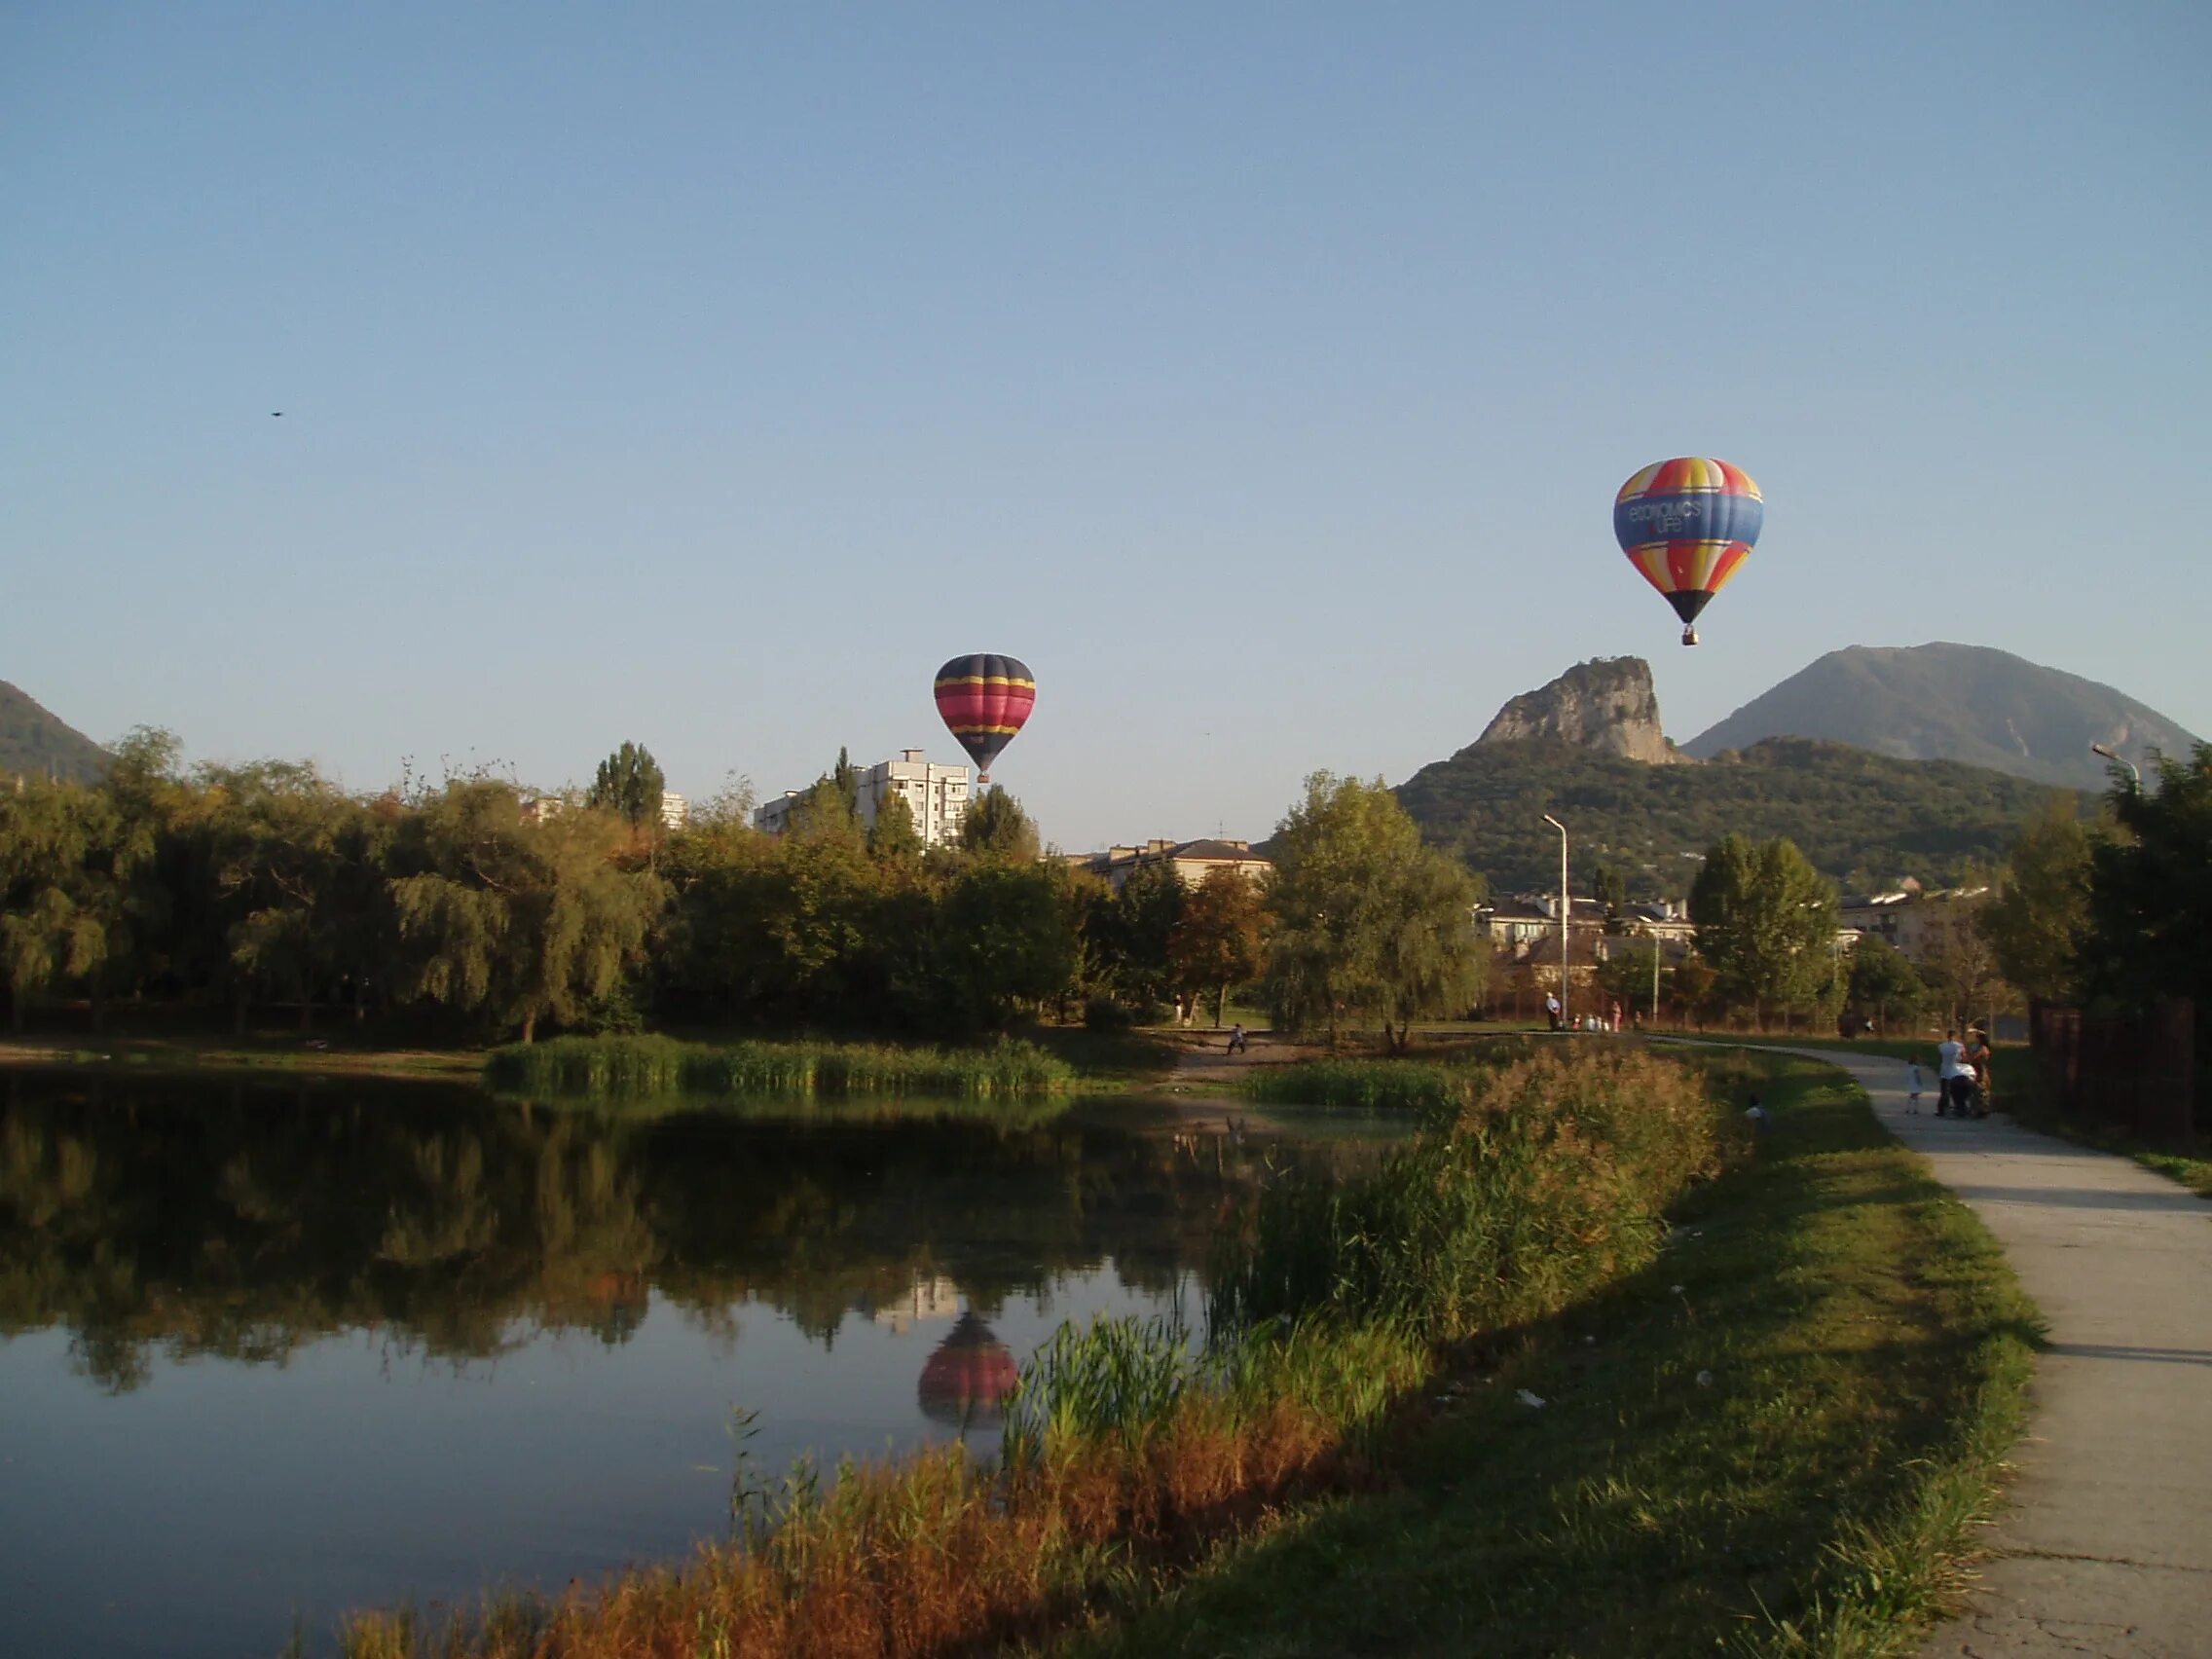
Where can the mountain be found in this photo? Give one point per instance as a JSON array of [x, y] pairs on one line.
[[1607, 704], [1945, 702], [1566, 749], [35, 742]]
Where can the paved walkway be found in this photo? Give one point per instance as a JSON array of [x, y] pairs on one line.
[[2107, 1547]]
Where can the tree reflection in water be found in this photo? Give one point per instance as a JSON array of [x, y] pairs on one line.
[[174, 1217]]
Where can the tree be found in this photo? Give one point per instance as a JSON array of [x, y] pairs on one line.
[[2150, 894], [994, 827], [1959, 963], [52, 928], [1611, 892], [1002, 941], [1215, 944], [847, 779], [2041, 914], [1367, 920], [630, 784], [892, 841], [1883, 984], [1766, 921], [1626, 974], [1146, 911], [295, 864], [517, 921]]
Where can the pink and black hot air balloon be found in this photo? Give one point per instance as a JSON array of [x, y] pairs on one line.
[[984, 699]]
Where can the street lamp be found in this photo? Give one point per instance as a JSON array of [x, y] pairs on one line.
[[2100, 748], [1564, 901]]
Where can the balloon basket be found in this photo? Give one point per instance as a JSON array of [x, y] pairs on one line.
[[1689, 636]]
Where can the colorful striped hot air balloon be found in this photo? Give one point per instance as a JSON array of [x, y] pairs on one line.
[[1687, 523], [984, 699]]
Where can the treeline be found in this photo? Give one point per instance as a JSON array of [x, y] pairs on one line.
[[2109, 911], [483, 913]]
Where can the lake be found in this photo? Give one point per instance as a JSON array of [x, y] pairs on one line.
[[269, 1352]]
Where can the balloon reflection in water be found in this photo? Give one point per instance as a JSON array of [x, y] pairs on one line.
[[967, 1380]]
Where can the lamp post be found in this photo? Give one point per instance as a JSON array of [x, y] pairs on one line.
[[2132, 772], [1563, 912]]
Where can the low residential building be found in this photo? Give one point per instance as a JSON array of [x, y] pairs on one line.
[[1191, 861], [1918, 924], [937, 797]]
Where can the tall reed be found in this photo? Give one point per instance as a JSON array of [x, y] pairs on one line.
[[616, 1067]]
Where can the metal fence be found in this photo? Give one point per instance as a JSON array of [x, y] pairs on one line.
[[2135, 1070]]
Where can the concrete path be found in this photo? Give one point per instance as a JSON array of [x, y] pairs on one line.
[[2105, 1549]]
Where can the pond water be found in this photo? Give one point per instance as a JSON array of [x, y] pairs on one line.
[[268, 1353]]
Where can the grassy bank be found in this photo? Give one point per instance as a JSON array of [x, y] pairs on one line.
[[624, 1067], [1769, 1429], [289, 1054], [1775, 1439], [1128, 1453], [1427, 1086]]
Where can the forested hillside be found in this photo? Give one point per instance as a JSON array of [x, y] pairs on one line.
[[34, 743], [1852, 812]]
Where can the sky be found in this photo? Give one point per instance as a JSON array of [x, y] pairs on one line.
[[704, 376]]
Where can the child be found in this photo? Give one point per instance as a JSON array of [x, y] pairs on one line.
[[1913, 1083], [1756, 1113]]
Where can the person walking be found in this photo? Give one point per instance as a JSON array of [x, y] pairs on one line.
[[1236, 1043], [1951, 1086], [1551, 1009], [1914, 1086]]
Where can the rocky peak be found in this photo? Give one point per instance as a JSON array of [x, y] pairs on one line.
[[1607, 704]]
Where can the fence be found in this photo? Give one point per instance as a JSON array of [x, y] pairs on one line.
[[2136, 1070]]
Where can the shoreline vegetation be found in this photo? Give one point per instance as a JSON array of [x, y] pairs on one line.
[[1771, 1425], [617, 1068]]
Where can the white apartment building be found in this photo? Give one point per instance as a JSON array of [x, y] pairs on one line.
[[675, 810], [936, 795]]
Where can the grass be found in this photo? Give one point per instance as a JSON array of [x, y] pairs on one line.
[[1128, 1449], [629, 1067], [1778, 1438], [1382, 1083], [289, 1054], [1771, 1428]]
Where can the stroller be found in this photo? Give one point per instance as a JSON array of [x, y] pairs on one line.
[[1974, 1103]]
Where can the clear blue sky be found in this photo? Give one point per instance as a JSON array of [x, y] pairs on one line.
[[1261, 374]]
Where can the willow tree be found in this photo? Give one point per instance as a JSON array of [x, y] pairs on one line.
[[517, 921], [53, 925]]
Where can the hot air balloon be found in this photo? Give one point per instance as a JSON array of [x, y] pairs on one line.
[[967, 1380], [984, 699], [1687, 523]]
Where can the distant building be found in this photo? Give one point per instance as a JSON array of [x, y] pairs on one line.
[[543, 807], [1191, 861], [1918, 924], [936, 797], [675, 810]]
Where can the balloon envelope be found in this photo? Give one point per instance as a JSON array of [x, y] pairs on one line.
[[984, 698], [1688, 524]]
